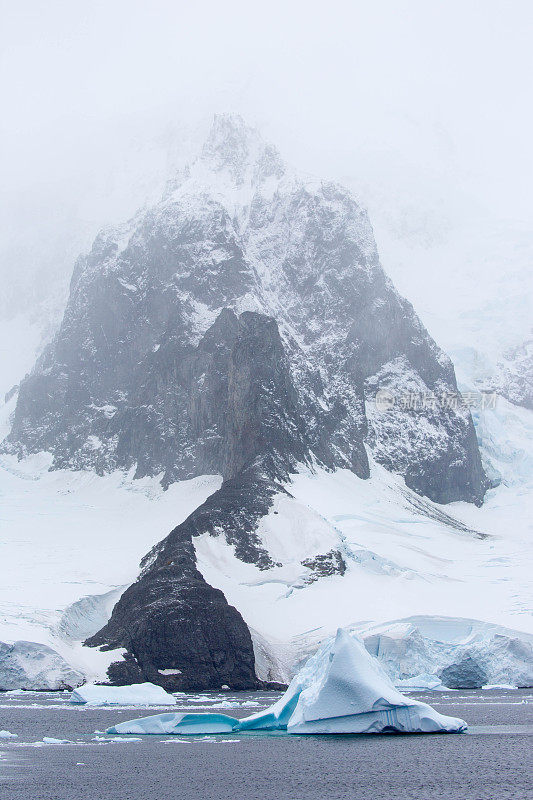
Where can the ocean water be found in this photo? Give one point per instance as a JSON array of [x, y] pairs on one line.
[[493, 761]]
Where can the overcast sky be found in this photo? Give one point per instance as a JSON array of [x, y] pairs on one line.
[[427, 102]]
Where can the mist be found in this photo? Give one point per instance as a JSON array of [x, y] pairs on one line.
[[423, 109]]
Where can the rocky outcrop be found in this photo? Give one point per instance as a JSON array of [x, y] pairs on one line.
[[330, 563], [178, 631]]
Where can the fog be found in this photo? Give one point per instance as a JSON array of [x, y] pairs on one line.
[[422, 107]]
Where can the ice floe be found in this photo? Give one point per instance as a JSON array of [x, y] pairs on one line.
[[138, 694], [52, 740]]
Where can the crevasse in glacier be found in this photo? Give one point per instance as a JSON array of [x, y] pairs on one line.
[[340, 689]]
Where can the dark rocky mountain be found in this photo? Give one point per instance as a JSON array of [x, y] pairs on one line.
[[242, 326], [178, 631], [141, 373]]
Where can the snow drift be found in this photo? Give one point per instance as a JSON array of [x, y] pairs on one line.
[[140, 694], [341, 689]]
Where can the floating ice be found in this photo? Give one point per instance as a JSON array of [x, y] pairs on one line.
[[499, 686], [178, 723], [138, 694], [8, 735], [348, 692], [116, 739], [51, 740], [422, 682], [341, 689]]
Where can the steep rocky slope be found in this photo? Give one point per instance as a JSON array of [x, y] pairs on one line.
[[124, 382], [242, 326]]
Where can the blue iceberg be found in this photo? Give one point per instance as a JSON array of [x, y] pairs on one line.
[[341, 689], [177, 723]]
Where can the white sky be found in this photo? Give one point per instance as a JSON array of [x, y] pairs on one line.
[[422, 105]]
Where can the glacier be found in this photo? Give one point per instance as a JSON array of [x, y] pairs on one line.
[[456, 652], [31, 665], [340, 689], [139, 694], [422, 652]]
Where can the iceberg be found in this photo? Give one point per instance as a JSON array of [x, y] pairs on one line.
[[421, 683], [138, 694], [341, 689], [177, 723], [347, 691]]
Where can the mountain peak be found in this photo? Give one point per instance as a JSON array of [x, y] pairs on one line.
[[237, 147], [230, 135]]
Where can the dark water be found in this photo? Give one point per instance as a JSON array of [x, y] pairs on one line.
[[492, 762]]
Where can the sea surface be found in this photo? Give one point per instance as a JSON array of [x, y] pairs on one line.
[[493, 761]]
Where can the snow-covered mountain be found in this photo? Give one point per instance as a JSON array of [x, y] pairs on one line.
[[243, 327], [244, 266]]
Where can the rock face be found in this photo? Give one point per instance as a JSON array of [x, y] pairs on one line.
[[241, 326], [178, 631], [156, 365]]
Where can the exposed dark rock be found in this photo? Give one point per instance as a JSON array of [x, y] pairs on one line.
[[155, 365], [331, 563], [170, 619]]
